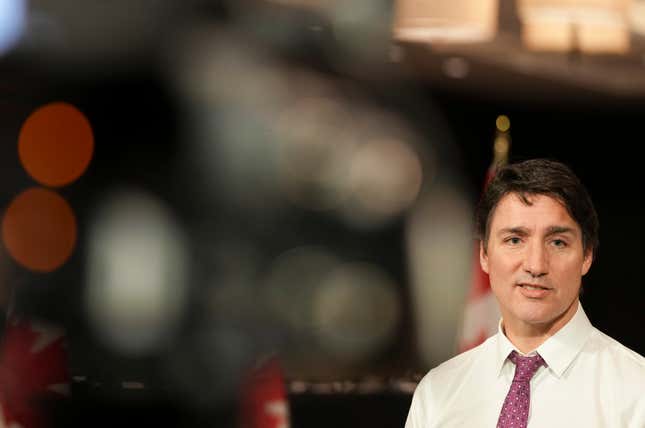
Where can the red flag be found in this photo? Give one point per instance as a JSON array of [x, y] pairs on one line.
[[481, 314], [264, 401], [33, 368]]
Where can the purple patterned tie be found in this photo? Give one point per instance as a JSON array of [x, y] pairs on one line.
[[515, 411]]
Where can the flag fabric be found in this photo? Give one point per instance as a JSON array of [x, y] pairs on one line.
[[481, 314], [264, 402], [33, 371]]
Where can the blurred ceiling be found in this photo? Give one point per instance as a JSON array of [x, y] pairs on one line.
[[91, 38], [504, 66]]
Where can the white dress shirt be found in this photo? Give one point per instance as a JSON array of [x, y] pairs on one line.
[[591, 381]]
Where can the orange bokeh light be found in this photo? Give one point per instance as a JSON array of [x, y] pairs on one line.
[[39, 229], [56, 144]]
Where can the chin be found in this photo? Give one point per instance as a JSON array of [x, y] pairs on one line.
[[538, 315], [538, 320]]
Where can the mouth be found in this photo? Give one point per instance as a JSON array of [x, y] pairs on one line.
[[534, 291], [533, 286]]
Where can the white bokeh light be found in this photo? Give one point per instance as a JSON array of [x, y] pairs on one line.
[[137, 273], [385, 179], [12, 23], [356, 311], [440, 245], [292, 283]]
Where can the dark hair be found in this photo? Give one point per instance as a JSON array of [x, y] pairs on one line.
[[540, 177]]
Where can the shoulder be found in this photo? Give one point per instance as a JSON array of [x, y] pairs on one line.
[[620, 370], [452, 371], [609, 348], [434, 390], [622, 359], [460, 363]]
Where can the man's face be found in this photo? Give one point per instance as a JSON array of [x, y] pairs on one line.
[[535, 260]]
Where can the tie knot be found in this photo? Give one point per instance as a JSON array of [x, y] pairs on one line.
[[525, 367]]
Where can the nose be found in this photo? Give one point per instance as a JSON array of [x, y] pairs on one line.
[[536, 261]]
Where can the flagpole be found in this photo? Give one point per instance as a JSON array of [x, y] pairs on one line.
[[502, 144], [481, 313]]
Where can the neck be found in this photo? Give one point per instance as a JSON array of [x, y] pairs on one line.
[[527, 336]]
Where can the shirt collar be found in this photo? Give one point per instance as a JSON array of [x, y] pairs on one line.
[[559, 350], [504, 347]]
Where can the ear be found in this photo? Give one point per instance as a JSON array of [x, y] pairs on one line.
[[586, 263], [483, 257]]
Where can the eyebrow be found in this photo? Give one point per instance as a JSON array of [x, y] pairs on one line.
[[522, 231], [558, 230], [551, 230]]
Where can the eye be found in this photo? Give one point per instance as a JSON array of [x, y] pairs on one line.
[[559, 243], [513, 240]]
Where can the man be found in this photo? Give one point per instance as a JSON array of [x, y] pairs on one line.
[[547, 366]]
